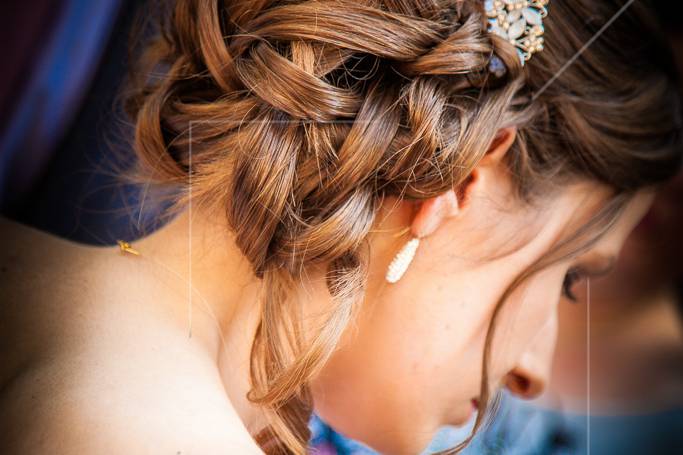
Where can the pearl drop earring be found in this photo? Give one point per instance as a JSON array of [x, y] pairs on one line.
[[402, 260]]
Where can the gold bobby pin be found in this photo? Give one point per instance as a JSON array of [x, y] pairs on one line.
[[127, 248]]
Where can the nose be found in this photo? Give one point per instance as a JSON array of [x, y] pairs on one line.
[[525, 383], [531, 375]]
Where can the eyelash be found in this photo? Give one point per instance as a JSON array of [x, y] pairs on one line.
[[572, 277]]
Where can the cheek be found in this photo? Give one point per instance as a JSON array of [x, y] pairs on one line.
[[411, 360], [402, 341], [403, 363], [523, 317]]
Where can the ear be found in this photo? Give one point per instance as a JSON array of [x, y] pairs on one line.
[[500, 145], [434, 211]]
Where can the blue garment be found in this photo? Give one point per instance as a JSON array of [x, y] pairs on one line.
[[53, 94], [81, 129], [521, 428]]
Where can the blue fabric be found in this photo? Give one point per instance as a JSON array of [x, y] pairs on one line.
[[521, 428], [80, 197], [54, 92]]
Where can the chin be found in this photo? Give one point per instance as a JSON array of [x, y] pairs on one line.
[[399, 438], [463, 414]]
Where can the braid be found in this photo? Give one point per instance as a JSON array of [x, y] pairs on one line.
[[302, 128], [302, 116]]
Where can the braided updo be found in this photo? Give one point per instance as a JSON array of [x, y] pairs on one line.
[[297, 118]]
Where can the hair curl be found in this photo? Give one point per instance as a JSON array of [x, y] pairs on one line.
[[297, 118]]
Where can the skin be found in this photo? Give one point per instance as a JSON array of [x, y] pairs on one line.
[[106, 346], [635, 330], [636, 335], [428, 330]]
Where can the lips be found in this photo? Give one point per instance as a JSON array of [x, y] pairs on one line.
[[475, 404]]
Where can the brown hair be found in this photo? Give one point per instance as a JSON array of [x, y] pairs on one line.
[[302, 116]]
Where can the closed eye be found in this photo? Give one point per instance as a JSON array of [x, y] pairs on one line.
[[577, 273], [572, 276]]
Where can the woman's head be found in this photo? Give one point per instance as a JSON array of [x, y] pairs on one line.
[[325, 130], [412, 360]]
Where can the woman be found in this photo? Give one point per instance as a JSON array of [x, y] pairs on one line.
[[303, 145]]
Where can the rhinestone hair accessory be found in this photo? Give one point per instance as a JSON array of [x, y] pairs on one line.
[[520, 22]]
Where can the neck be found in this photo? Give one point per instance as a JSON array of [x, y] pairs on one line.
[[214, 294]]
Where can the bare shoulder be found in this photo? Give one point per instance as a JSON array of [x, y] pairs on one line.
[[25, 252], [86, 370], [15, 236], [131, 390], [129, 403], [37, 279]]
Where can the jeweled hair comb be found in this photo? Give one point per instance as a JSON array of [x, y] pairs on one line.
[[520, 22]]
